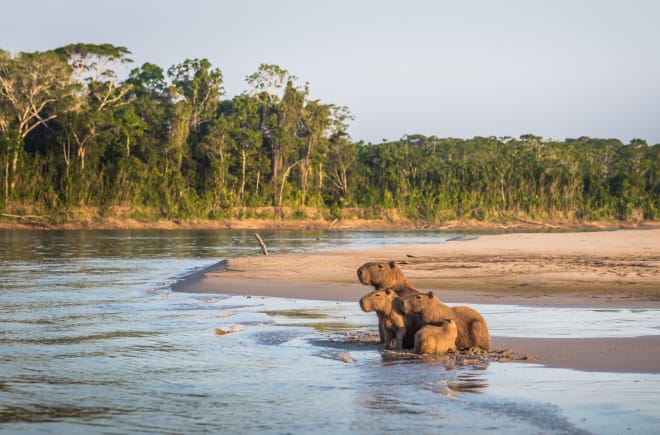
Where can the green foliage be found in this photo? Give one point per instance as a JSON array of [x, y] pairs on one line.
[[167, 145]]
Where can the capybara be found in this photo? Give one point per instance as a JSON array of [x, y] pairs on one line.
[[424, 308], [382, 275], [391, 323], [437, 338]]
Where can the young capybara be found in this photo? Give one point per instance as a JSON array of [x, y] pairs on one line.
[[424, 308], [437, 338]]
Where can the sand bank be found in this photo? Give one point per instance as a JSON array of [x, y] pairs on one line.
[[588, 269], [573, 269]]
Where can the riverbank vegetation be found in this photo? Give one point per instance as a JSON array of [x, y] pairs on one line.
[[170, 145]]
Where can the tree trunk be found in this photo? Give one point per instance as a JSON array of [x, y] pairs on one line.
[[305, 166], [304, 179], [6, 179], [276, 165], [82, 151], [66, 151], [284, 178], [344, 180], [222, 161], [14, 166], [243, 163]]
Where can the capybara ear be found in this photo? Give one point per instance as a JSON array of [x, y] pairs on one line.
[[430, 295], [381, 265], [392, 264]]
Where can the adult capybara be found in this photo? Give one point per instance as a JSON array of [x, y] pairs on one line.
[[437, 338], [424, 308], [382, 275], [391, 323]]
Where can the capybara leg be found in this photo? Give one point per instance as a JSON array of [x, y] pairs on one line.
[[417, 347], [400, 333], [381, 332], [481, 334], [388, 339]]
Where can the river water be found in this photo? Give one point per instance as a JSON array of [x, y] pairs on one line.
[[92, 340]]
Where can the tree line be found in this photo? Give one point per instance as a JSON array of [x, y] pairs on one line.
[[169, 144]]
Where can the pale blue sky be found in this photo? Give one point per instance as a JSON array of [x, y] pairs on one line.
[[556, 68]]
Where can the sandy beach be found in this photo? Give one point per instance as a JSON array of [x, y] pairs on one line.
[[604, 269]]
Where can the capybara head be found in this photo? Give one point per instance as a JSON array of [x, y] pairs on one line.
[[381, 275], [449, 324], [417, 304], [378, 300]]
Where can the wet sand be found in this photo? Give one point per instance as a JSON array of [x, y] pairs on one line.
[[630, 354], [612, 269]]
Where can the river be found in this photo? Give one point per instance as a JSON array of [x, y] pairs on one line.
[[93, 340]]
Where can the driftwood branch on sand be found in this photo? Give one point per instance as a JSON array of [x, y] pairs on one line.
[[264, 249], [27, 219], [20, 217]]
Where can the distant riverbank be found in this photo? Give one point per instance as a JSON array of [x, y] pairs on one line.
[[284, 218]]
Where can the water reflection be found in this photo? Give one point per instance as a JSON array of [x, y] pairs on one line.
[[468, 382], [79, 339], [40, 413], [24, 248]]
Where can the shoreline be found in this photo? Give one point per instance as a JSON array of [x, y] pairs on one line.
[[31, 222], [613, 269], [211, 280]]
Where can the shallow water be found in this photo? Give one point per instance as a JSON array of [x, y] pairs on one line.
[[92, 340]]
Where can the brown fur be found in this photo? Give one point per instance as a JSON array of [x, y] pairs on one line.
[[391, 323], [432, 339], [424, 308], [385, 275]]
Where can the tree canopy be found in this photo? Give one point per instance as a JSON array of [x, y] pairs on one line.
[[169, 144]]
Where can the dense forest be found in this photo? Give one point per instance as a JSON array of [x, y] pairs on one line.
[[168, 145]]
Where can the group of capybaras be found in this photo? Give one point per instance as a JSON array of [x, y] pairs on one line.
[[409, 319]]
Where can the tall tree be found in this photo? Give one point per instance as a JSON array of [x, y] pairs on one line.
[[316, 125], [286, 142], [247, 135], [266, 84], [35, 88], [93, 66], [195, 89], [199, 87]]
